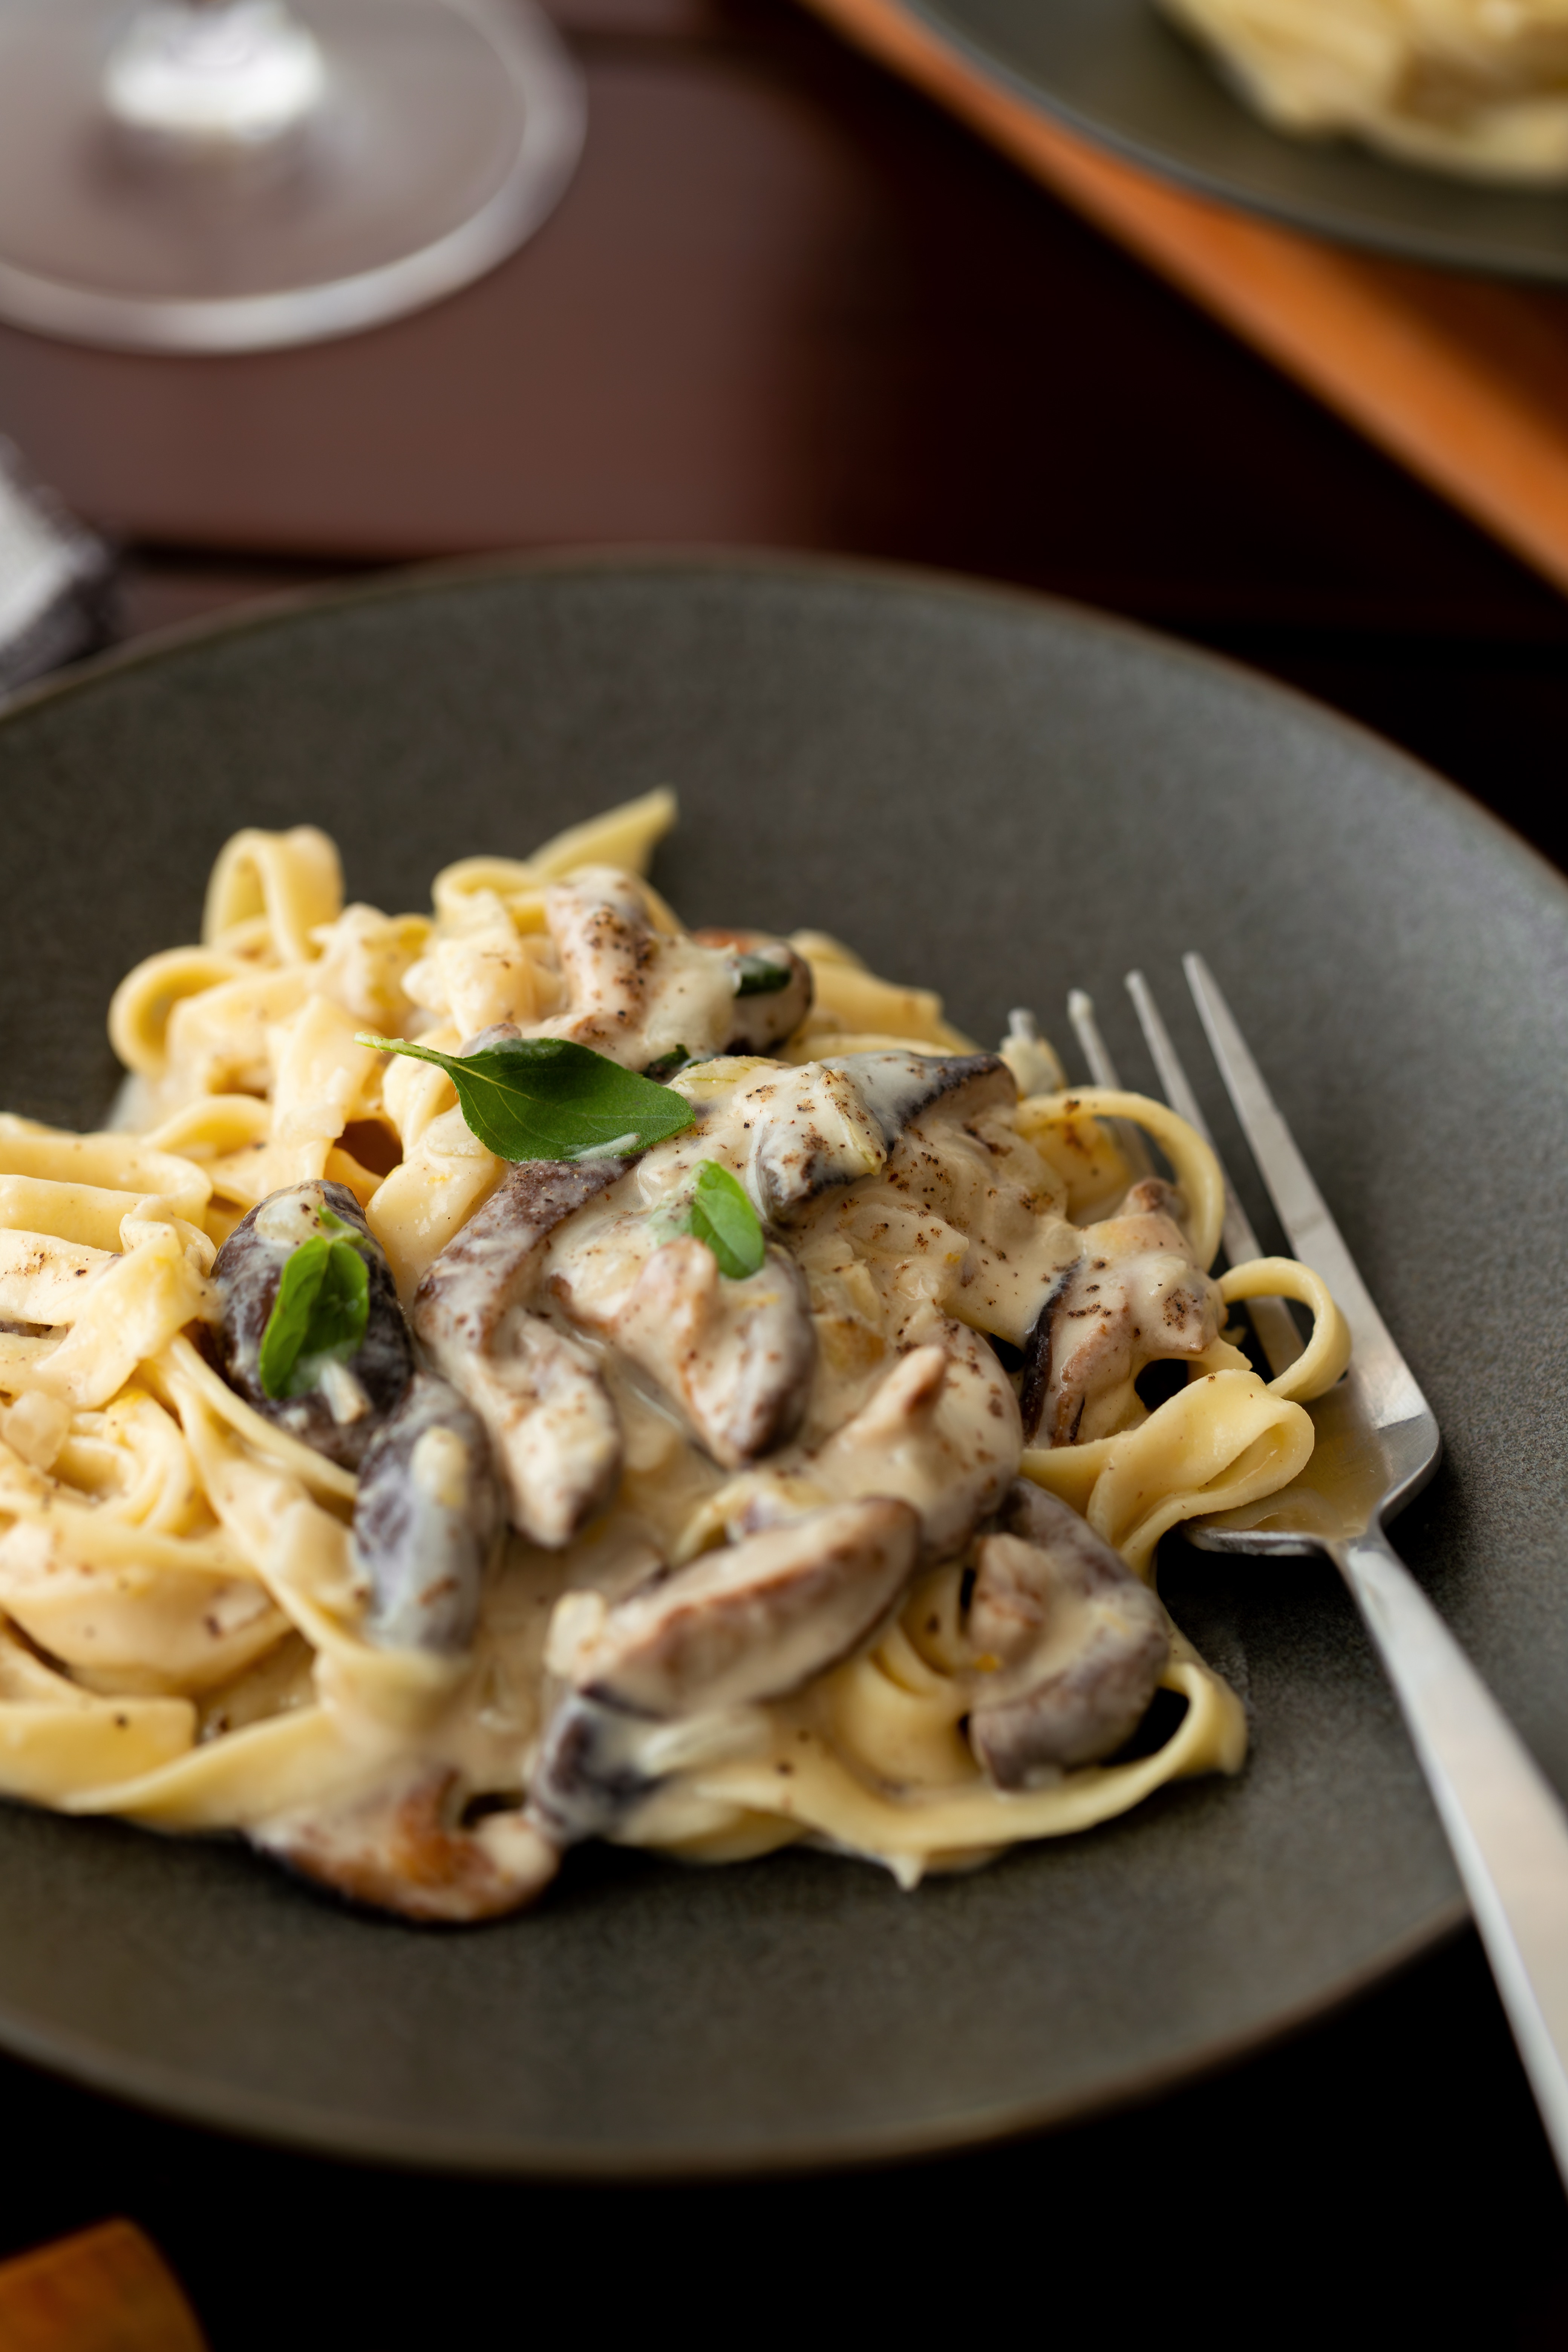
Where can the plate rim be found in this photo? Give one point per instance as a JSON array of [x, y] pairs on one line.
[[199, 2103], [198, 2100], [275, 608], [1385, 239]]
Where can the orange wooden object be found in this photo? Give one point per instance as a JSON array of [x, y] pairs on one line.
[[1464, 379], [109, 2290]]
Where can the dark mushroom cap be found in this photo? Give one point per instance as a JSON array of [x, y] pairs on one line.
[[248, 1271], [425, 1519]]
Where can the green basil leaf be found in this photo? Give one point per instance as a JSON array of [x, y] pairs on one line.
[[339, 1318], [548, 1098], [339, 1228], [759, 975], [290, 1318], [317, 1317], [721, 1217]]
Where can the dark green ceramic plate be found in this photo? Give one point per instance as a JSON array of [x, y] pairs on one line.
[[1116, 71], [1003, 796]]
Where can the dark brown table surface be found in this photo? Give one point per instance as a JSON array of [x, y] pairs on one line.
[[788, 303]]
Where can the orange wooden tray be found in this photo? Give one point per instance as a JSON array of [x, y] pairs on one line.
[[108, 2290], [1464, 379]]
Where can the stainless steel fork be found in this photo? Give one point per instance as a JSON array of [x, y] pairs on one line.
[[1377, 1447]]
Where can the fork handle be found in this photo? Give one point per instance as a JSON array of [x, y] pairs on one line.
[[1507, 1830]]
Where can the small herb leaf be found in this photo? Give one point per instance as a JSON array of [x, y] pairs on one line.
[[317, 1317], [759, 975], [548, 1098], [723, 1220], [339, 1228]]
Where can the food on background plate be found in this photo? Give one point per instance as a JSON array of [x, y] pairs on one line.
[[533, 1373], [1474, 87]]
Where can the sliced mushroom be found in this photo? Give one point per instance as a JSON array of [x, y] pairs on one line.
[[772, 984], [834, 1122], [1132, 1296], [607, 949], [556, 1435], [941, 1430], [537, 1391], [755, 1619], [426, 1518], [736, 1356], [404, 1850], [634, 992], [897, 1089], [596, 1764], [741, 1626], [342, 1414], [1154, 1196], [964, 1209], [493, 1264], [1073, 1644], [810, 1131]]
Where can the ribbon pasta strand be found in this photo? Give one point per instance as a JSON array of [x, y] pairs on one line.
[[184, 1630]]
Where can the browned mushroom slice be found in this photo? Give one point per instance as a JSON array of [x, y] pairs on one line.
[[772, 988], [635, 993], [1132, 1296], [1074, 1644], [963, 1190], [549, 1417], [755, 1619], [898, 1088], [835, 1121], [1153, 1196], [736, 1356], [492, 1265], [348, 1401], [810, 1131], [943, 1431], [404, 1850], [424, 1519], [741, 1626], [608, 951], [538, 1392]]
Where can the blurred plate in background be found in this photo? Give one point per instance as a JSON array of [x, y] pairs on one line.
[[1118, 72]]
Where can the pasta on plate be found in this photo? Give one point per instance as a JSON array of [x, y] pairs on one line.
[[1474, 87], [530, 1373]]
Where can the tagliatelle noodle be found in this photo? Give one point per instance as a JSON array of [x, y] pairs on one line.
[[1479, 87], [182, 1637]]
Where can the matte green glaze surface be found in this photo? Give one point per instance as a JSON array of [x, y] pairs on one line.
[[1117, 71], [1001, 796]]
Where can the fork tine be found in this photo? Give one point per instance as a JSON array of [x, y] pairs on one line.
[[1102, 1070], [1301, 1208], [1086, 1028], [1277, 1334]]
